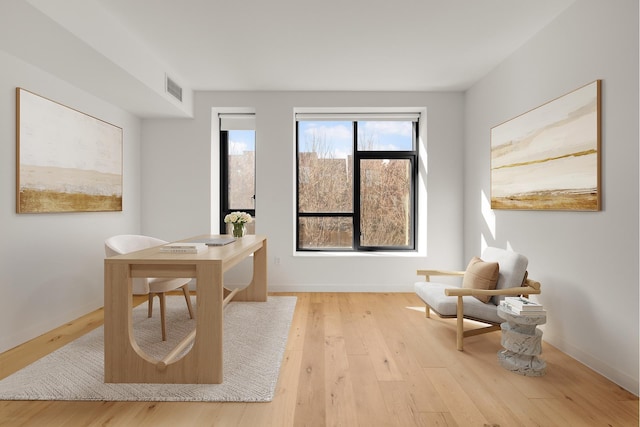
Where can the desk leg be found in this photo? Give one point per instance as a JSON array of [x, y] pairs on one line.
[[119, 344], [205, 359], [125, 362], [114, 325], [257, 289]]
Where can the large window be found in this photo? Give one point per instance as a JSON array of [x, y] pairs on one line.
[[237, 167], [356, 182]]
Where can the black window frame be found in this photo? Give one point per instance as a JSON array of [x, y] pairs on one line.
[[358, 155]]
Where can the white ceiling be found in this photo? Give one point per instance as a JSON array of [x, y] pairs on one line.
[[334, 44], [372, 45]]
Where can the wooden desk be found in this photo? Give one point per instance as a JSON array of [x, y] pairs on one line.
[[125, 362]]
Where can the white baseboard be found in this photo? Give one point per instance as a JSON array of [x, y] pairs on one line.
[[610, 372], [341, 288], [389, 288]]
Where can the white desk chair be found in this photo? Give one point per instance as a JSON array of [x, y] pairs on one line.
[[125, 243]]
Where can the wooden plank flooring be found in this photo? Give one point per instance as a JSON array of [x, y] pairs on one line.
[[360, 359]]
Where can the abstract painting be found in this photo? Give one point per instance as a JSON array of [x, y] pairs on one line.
[[549, 157], [67, 161]]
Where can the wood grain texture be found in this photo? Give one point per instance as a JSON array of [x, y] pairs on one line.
[[334, 374], [125, 361]]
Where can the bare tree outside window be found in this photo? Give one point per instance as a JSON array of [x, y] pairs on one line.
[[324, 172], [385, 202]]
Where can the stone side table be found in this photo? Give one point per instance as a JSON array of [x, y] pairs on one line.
[[522, 341]]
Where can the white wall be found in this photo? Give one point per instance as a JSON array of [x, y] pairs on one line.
[[178, 175], [51, 265], [587, 262]]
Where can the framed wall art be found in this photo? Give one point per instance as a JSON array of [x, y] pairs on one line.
[[549, 157], [67, 161]]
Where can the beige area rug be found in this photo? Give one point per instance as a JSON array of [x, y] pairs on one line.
[[255, 336]]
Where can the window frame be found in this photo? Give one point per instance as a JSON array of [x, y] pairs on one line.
[[225, 209], [412, 156]]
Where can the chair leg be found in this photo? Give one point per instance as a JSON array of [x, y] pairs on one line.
[[162, 323], [187, 297], [459, 324], [427, 311], [150, 304]]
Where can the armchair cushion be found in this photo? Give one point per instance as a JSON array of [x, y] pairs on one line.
[[513, 267], [481, 275], [433, 294]]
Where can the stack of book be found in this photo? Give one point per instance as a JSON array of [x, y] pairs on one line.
[[183, 248], [523, 306]]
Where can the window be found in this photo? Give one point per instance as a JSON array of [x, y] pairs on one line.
[[237, 167], [356, 182]]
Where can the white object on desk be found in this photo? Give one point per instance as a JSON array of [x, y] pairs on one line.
[[183, 248]]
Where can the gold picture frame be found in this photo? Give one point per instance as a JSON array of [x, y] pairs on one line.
[[549, 158], [66, 160]]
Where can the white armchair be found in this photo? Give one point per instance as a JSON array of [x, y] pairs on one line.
[[463, 301], [125, 243]]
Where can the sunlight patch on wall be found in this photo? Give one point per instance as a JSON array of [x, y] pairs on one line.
[[488, 214]]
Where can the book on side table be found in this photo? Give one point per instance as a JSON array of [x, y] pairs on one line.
[[523, 306]]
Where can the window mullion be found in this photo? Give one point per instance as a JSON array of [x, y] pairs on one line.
[[356, 190]]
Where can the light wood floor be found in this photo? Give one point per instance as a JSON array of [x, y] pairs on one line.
[[356, 359]]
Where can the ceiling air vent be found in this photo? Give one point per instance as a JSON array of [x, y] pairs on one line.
[[174, 89]]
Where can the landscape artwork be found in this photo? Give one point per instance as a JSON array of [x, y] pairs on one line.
[[549, 158], [67, 161]]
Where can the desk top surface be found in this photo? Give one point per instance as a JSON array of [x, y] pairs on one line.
[[242, 247]]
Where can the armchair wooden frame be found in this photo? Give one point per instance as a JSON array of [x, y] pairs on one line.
[[532, 287]]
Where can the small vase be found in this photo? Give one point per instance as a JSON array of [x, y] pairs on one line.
[[238, 230]]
